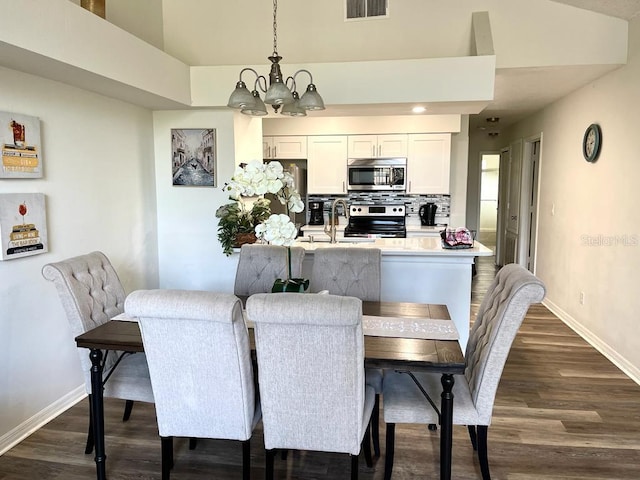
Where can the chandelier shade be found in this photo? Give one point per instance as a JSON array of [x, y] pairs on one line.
[[281, 92]]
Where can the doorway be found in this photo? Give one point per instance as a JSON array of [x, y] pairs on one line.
[[488, 222]]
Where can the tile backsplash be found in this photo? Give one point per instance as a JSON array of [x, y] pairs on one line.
[[411, 202]]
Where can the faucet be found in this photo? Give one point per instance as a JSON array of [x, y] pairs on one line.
[[331, 230]]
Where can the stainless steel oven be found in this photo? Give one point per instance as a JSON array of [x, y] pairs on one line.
[[377, 220], [377, 174]]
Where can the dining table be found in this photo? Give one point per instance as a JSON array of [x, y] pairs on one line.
[[397, 335]]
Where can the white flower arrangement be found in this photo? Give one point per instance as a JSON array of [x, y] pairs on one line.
[[258, 178]]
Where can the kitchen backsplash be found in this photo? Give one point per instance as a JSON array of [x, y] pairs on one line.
[[411, 202]]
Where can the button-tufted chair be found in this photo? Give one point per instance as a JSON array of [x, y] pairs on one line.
[[500, 315], [354, 272], [260, 265], [91, 294], [310, 352], [197, 346]]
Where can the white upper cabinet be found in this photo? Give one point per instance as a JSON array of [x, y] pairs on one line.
[[377, 146], [293, 147], [428, 163], [327, 164]]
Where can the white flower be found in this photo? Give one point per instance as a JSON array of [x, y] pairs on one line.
[[278, 229]]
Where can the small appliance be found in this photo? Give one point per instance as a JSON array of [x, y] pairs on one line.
[[377, 174], [316, 213], [376, 220], [427, 214]]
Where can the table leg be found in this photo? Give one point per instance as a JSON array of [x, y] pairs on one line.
[[97, 412], [446, 426]]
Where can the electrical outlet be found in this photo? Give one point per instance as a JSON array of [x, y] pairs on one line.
[[581, 298]]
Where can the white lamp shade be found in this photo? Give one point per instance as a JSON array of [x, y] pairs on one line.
[[311, 100], [240, 97], [278, 94]]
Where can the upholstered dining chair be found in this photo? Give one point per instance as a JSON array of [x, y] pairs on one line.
[[260, 265], [310, 354], [197, 347], [354, 272], [91, 294], [500, 315]]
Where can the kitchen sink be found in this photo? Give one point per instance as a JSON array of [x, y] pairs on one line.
[[326, 239]]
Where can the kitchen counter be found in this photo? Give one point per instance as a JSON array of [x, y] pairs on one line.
[[416, 270]]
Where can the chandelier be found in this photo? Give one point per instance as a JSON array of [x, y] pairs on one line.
[[280, 93]]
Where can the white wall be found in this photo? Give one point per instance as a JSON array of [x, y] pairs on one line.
[[592, 242], [99, 187]]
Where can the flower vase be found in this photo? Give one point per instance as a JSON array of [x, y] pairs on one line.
[[295, 285]]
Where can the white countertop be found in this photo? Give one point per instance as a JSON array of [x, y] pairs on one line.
[[420, 246]]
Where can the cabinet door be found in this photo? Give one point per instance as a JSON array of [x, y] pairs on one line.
[[293, 147], [363, 146], [428, 163], [327, 164], [392, 146]]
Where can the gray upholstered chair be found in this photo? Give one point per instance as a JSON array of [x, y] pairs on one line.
[[260, 265], [500, 315], [310, 351], [91, 294], [197, 346], [354, 272]]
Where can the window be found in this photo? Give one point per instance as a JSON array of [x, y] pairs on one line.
[[366, 8]]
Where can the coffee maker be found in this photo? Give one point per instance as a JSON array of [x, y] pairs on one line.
[[316, 213], [427, 214]]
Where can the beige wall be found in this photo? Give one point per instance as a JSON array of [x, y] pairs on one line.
[[591, 243], [99, 188]]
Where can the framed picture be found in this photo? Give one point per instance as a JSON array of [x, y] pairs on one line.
[[23, 225], [193, 156], [20, 142]]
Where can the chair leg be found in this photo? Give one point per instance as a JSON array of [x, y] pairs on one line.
[[366, 447], [375, 426], [482, 452], [354, 467], [246, 460], [128, 406], [269, 460], [167, 456], [473, 436], [389, 450], [193, 443]]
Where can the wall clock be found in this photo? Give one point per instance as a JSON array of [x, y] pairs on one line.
[[592, 142]]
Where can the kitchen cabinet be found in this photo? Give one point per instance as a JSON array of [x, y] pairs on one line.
[[327, 164], [428, 163], [288, 147], [377, 146]]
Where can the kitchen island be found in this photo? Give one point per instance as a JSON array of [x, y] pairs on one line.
[[417, 270]]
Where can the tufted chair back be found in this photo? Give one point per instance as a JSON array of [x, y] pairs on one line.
[[347, 271], [260, 265], [500, 315], [91, 294]]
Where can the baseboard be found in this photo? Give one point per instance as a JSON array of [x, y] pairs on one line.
[[596, 342], [44, 416]]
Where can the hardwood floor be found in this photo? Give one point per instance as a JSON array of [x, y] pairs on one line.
[[562, 411]]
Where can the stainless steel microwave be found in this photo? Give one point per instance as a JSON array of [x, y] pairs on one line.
[[377, 174]]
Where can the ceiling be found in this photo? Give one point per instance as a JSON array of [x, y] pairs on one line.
[[517, 92]]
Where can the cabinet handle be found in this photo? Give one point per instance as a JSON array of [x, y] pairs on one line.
[[275, 152], [409, 186], [268, 151]]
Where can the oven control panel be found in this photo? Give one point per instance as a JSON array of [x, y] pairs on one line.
[[397, 210]]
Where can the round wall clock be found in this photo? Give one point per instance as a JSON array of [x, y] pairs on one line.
[[592, 142]]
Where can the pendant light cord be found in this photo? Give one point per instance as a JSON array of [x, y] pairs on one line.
[[275, 28]]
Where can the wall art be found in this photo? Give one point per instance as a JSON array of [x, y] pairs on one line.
[[20, 142], [23, 225], [193, 157]]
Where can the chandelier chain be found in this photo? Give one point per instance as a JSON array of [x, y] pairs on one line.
[[275, 28]]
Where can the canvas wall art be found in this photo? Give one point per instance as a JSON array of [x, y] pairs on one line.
[[23, 225], [194, 156], [20, 142]]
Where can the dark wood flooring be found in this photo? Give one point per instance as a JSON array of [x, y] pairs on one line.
[[562, 411]]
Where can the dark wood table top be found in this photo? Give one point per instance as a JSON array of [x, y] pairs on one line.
[[444, 356]]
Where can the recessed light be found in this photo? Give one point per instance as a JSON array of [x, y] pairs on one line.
[[419, 109], [494, 134], [493, 119]]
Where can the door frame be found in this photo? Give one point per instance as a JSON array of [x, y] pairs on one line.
[[503, 201], [529, 207]]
